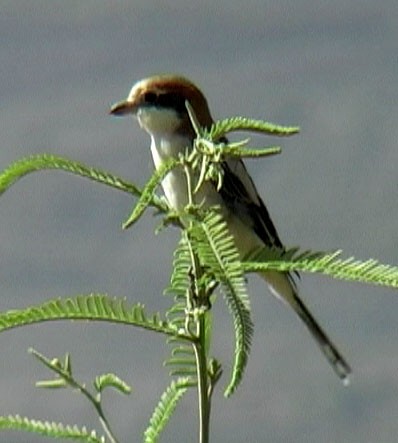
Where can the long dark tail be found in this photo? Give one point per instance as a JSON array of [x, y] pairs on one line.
[[337, 361], [283, 287]]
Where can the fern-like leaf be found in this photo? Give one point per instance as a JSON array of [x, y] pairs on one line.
[[217, 252], [97, 307], [49, 429], [34, 163], [222, 127], [368, 271], [165, 408], [182, 362], [149, 190], [179, 282], [250, 152]]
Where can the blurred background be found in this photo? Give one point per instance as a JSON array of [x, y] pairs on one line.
[[329, 67]]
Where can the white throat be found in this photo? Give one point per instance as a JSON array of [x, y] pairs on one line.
[[166, 143], [161, 125], [158, 120]]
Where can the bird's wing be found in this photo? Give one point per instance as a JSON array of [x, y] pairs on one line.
[[241, 197]]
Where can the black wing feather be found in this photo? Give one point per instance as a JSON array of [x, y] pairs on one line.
[[238, 199]]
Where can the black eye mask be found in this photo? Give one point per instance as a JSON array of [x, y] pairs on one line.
[[168, 100]]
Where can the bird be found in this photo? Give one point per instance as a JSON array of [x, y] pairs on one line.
[[159, 104]]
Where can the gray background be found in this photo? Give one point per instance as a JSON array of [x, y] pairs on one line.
[[329, 67]]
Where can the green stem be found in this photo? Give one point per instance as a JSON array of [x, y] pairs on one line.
[[66, 374], [200, 343], [189, 184], [97, 405], [203, 391], [105, 424]]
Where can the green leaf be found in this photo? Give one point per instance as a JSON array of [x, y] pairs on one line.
[[368, 271], [56, 366], [244, 152], [222, 127], [165, 408], [194, 120], [99, 307], [52, 384], [40, 162], [180, 282], [219, 256], [149, 190], [111, 380], [49, 429]]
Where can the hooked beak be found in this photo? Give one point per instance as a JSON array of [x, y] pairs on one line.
[[123, 108]]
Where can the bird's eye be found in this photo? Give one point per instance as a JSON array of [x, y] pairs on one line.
[[172, 100], [150, 97]]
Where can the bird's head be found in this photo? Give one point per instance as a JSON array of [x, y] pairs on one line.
[[158, 102]]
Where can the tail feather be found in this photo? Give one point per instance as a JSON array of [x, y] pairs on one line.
[[336, 360], [282, 286]]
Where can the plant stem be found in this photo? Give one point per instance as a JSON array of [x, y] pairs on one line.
[[203, 397], [98, 407], [199, 344]]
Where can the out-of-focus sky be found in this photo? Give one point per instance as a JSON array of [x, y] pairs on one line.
[[329, 67]]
